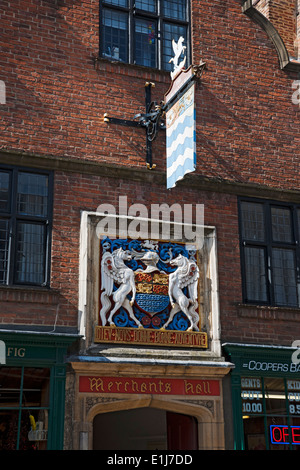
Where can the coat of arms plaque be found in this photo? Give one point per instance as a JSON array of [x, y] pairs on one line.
[[146, 287]]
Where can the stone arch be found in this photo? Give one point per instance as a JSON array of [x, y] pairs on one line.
[[283, 55], [210, 429], [271, 31]]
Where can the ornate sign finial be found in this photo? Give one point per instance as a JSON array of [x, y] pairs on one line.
[[178, 49]]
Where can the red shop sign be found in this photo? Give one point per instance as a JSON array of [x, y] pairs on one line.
[[281, 434], [138, 385]]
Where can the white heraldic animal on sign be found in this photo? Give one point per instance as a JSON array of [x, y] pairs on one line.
[[178, 49]]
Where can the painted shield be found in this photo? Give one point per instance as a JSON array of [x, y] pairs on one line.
[[152, 291]]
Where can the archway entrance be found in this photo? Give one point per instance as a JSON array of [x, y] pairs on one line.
[[144, 429]]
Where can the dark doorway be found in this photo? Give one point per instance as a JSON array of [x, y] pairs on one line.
[[144, 429], [182, 432]]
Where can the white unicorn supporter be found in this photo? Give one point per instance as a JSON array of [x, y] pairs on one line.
[[186, 275], [113, 269]]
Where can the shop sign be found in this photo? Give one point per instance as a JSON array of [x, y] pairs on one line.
[[2, 352], [16, 352], [10, 352], [251, 395], [282, 434], [270, 366], [157, 386]]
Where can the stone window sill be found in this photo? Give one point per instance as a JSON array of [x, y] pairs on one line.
[[267, 312], [29, 294]]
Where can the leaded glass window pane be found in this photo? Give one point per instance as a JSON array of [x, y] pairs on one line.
[[281, 224], [24, 226], [253, 222], [4, 191], [284, 277], [4, 250], [115, 35], [272, 229], [145, 42], [32, 194], [175, 9], [117, 3], [256, 283], [146, 5], [30, 253]]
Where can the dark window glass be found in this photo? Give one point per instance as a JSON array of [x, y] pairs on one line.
[[281, 224], [24, 227], [146, 5], [253, 223], [256, 283], [141, 32], [36, 387], [4, 250], [4, 191], [145, 42], [115, 35], [270, 411], [270, 239], [175, 9], [118, 3], [30, 253], [32, 195], [10, 383], [24, 408], [275, 396], [284, 275]]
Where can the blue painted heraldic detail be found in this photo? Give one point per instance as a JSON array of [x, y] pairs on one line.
[[148, 284]]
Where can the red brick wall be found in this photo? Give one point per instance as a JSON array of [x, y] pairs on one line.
[[263, 7], [56, 98], [247, 133], [87, 193], [74, 193], [282, 14], [239, 323], [297, 48]]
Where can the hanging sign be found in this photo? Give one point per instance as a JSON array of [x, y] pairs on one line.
[[180, 127]]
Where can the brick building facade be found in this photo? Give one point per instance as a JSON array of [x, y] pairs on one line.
[[61, 160]]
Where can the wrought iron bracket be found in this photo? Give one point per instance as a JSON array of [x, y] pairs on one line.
[[151, 120]]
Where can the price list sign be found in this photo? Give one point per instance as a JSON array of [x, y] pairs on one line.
[[293, 387], [251, 395]]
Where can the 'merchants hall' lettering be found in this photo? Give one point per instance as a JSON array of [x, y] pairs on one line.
[[148, 385]]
